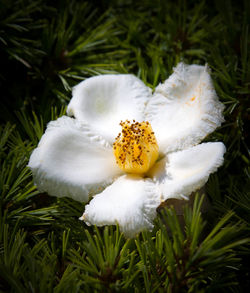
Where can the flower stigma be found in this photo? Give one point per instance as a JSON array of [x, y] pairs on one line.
[[135, 148]]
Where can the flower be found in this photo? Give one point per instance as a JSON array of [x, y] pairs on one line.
[[89, 155]]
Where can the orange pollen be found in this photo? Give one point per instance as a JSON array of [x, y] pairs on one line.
[[135, 148]]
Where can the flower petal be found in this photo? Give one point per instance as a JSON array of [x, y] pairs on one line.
[[185, 108], [103, 101], [71, 161], [130, 201], [188, 170]]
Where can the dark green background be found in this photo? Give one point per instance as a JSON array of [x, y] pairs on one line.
[[46, 47]]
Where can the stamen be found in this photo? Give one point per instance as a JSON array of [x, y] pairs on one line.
[[135, 148]]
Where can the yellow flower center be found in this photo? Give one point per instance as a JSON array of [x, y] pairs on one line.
[[135, 148]]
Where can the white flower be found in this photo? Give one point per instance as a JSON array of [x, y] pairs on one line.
[[75, 157]]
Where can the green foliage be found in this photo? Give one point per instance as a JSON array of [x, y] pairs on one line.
[[174, 258], [46, 47], [184, 260]]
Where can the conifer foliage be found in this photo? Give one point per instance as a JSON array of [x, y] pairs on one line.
[[46, 47]]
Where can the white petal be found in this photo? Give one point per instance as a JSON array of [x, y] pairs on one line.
[[188, 170], [185, 108], [130, 201], [103, 101], [71, 161]]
